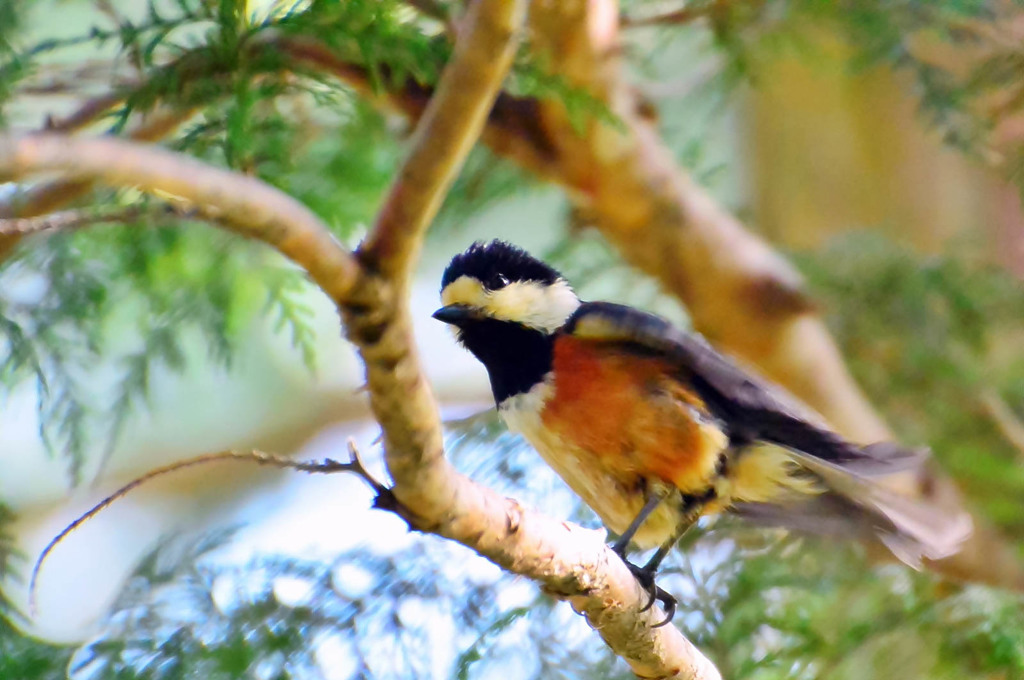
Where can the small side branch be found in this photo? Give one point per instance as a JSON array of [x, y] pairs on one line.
[[245, 204], [78, 219], [326, 466], [52, 195], [1008, 423]]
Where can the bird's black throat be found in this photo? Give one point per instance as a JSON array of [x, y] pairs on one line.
[[516, 357]]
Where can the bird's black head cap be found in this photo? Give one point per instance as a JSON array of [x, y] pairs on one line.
[[497, 264]]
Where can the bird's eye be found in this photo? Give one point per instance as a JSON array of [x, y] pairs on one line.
[[498, 281]]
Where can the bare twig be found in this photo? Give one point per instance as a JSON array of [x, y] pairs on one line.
[[78, 219], [1008, 422], [247, 205], [85, 114], [326, 466]]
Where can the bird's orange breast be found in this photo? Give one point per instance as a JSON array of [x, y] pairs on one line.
[[631, 415]]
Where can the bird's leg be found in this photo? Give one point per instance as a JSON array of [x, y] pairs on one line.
[[645, 574], [654, 499]]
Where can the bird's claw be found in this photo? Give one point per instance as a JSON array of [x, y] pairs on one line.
[[656, 594]]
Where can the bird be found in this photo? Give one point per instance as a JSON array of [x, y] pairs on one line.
[[654, 429]]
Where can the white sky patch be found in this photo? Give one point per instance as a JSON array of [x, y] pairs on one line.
[[337, 658], [352, 580], [292, 591]]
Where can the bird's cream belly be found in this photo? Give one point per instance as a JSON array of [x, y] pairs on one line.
[[617, 501]]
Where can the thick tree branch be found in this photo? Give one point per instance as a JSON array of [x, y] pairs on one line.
[[571, 562], [445, 134]]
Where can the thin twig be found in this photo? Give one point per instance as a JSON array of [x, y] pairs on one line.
[[1004, 417], [326, 466], [85, 114], [78, 219]]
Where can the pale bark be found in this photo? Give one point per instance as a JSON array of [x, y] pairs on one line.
[[245, 204], [50, 196]]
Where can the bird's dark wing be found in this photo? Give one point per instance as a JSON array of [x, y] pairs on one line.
[[755, 411], [752, 409]]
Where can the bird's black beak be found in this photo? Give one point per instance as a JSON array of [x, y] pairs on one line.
[[456, 315]]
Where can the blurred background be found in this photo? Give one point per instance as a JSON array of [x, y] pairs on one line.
[[877, 145]]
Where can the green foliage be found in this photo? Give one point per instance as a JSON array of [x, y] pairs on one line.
[[8, 555], [533, 77], [28, 659], [933, 340], [965, 61], [20, 656], [956, 94], [797, 608], [131, 295]]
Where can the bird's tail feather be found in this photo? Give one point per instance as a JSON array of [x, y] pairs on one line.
[[853, 502]]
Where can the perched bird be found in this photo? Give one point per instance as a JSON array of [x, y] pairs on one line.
[[654, 429]]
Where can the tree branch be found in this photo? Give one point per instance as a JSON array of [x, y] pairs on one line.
[[445, 134], [572, 562], [79, 219], [47, 197], [246, 205]]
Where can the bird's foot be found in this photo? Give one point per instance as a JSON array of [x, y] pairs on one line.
[[646, 578]]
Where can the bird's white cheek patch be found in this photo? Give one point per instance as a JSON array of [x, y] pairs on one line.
[[531, 303], [464, 290], [545, 307]]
